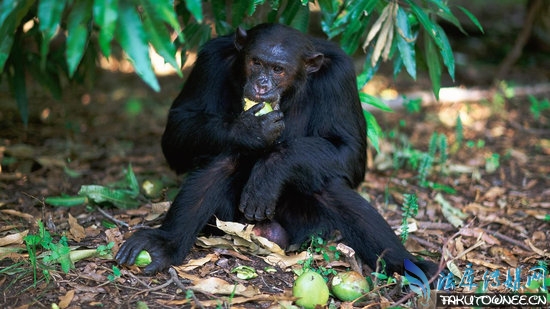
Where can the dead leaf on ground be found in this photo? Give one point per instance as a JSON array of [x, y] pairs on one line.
[[13, 239], [194, 263], [65, 301], [77, 232], [213, 285]]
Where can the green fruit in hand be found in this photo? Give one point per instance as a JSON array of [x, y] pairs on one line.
[[310, 289], [266, 109], [348, 286], [143, 259]]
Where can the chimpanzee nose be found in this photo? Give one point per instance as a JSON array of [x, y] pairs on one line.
[[262, 85]]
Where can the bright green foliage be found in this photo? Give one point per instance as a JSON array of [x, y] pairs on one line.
[[410, 210], [538, 106], [123, 194], [392, 30]]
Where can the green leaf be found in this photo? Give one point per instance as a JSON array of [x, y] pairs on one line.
[[159, 36], [132, 181], [444, 12], [434, 65], [65, 201], [301, 18], [374, 132], [11, 14], [5, 47], [472, 18], [78, 24], [105, 17], [49, 16], [195, 7], [133, 39], [120, 198], [162, 10], [368, 71], [438, 36], [405, 42], [374, 101], [446, 51]]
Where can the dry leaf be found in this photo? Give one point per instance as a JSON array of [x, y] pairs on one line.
[[157, 209], [27, 217], [493, 193], [213, 285], [65, 301], [13, 239], [194, 263], [284, 261], [76, 230]]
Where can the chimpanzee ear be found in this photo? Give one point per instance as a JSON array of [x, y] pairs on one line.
[[240, 38], [314, 62]]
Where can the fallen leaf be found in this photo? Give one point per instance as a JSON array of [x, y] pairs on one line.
[[213, 285], [76, 230], [13, 239], [194, 263], [284, 261], [27, 217], [65, 301], [493, 193]]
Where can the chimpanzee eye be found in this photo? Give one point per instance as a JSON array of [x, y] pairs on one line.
[[278, 69]]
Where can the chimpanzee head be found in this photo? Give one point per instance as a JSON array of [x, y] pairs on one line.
[[277, 60]]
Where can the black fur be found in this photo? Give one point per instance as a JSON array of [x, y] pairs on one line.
[[298, 166]]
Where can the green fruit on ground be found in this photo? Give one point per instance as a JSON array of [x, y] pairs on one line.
[[348, 286], [310, 289], [143, 259]]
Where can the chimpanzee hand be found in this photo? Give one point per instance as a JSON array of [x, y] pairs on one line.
[[156, 243], [253, 132], [261, 193]]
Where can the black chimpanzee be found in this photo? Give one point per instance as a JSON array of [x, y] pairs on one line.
[[297, 165]]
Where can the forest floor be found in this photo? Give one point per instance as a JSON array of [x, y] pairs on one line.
[[484, 205]]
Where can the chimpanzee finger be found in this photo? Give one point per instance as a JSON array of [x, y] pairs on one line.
[[256, 108]]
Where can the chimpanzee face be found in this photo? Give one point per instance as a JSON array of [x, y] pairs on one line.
[[270, 71], [276, 63]]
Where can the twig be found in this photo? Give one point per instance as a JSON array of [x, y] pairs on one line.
[[119, 222], [508, 239], [174, 278]]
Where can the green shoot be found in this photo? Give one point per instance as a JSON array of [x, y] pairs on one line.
[[410, 210], [537, 107]]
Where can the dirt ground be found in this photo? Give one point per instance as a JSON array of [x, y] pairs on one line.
[[92, 134]]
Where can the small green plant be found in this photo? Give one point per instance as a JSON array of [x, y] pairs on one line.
[[492, 163], [412, 106], [459, 131], [317, 245], [33, 242], [538, 106], [410, 210], [115, 275]]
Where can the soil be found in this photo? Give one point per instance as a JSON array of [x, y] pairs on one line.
[[92, 134]]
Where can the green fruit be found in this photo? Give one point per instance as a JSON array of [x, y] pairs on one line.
[[348, 286], [266, 109], [143, 259], [310, 289]]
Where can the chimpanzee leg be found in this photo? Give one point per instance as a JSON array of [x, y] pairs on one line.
[[204, 193], [365, 230]]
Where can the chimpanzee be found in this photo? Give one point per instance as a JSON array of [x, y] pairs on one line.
[[297, 165]]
